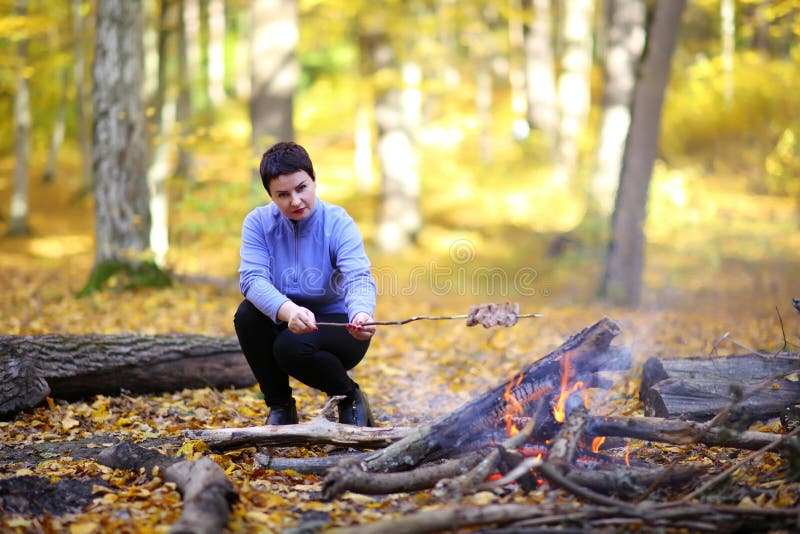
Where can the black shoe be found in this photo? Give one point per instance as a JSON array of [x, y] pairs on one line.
[[354, 410], [283, 414]]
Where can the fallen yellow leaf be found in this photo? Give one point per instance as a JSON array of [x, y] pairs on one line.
[[83, 528]]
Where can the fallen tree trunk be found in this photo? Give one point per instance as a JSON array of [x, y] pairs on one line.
[[77, 366]]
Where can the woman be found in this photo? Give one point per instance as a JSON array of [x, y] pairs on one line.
[[303, 261]]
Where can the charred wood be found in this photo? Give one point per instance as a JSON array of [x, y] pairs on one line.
[[533, 393], [678, 432]]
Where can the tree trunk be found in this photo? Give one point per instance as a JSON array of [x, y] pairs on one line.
[[626, 38], [540, 72], [183, 110], [727, 16], [397, 112], [574, 91], [275, 71], [122, 203], [216, 52], [622, 279], [516, 71], [81, 115], [163, 141], [78, 366], [18, 220], [57, 137]]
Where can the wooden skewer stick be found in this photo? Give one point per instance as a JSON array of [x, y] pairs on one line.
[[487, 315]]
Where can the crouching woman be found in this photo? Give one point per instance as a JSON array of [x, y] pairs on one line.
[[303, 262]]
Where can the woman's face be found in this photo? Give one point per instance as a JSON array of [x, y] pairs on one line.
[[295, 194]]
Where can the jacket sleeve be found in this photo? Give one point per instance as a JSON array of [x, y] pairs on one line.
[[352, 262], [255, 269]]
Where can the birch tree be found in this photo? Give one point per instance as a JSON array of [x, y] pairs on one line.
[[122, 211], [18, 222], [626, 38], [624, 265], [275, 71]]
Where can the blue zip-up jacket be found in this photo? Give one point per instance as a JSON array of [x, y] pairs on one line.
[[318, 262]]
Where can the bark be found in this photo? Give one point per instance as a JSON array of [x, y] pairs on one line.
[[122, 209], [78, 366], [18, 215], [207, 493], [624, 265], [275, 71]]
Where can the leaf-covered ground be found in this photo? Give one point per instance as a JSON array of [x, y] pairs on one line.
[[707, 279]]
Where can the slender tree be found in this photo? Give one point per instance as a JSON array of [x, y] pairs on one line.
[[82, 115], [274, 69], [18, 223], [574, 87], [540, 73], [624, 265], [626, 38], [183, 111], [122, 210]]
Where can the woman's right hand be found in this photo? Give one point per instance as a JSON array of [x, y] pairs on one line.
[[299, 320]]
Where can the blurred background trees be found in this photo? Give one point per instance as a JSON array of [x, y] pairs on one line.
[[431, 120]]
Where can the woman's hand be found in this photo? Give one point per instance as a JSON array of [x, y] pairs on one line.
[[299, 320], [357, 328]]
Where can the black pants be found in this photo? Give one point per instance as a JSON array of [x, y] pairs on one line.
[[318, 359]]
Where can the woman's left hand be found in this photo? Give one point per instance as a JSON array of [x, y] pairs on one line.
[[356, 328]]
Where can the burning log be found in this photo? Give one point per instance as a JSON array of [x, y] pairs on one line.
[[537, 392], [750, 386]]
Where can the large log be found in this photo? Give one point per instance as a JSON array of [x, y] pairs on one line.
[[701, 399], [751, 366], [77, 366], [748, 386]]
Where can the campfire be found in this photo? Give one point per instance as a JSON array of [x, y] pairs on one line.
[[532, 430]]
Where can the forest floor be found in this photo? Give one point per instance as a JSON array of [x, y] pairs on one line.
[[722, 265]]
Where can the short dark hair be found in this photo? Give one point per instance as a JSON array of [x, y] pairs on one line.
[[285, 157]]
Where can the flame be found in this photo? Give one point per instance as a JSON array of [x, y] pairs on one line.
[[627, 455], [559, 411], [514, 407], [597, 443]]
